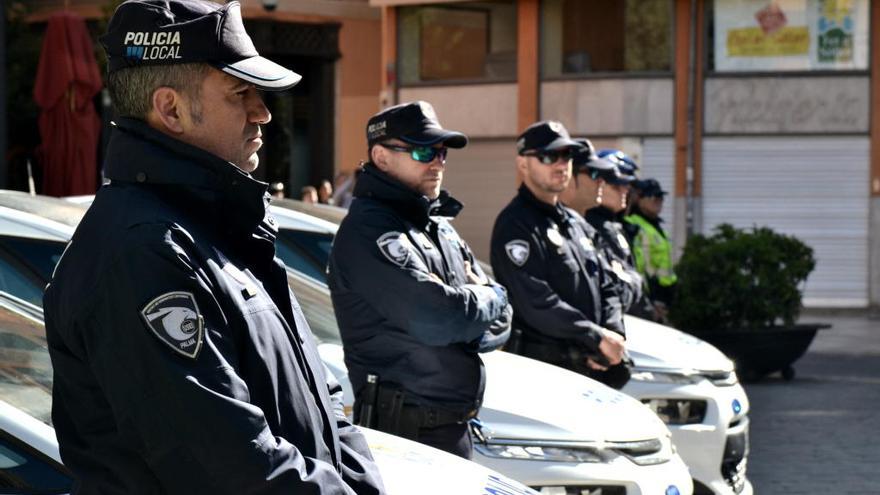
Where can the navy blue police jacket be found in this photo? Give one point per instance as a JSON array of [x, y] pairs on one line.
[[545, 256], [611, 239], [182, 361], [405, 308]]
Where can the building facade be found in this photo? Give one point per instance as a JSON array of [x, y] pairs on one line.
[[750, 112]]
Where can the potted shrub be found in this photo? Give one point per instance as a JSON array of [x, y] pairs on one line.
[[741, 289]]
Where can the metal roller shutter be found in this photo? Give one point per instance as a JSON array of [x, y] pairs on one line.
[[658, 162], [811, 187]]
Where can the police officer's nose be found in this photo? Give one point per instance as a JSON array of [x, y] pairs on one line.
[[258, 112]]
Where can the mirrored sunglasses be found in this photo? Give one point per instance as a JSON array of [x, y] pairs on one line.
[[422, 154]]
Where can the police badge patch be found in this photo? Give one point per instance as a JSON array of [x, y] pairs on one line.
[[517, 251], [174, 318], [396, 247]]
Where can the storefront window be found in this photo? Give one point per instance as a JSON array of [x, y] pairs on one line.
[[596, 36], [457, 42], [788, 35]]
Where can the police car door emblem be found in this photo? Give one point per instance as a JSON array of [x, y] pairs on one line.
[[555, 237], [396, 247], [517, 251], [174, 318]]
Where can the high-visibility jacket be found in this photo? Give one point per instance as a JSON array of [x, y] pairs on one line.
[[652, 251]]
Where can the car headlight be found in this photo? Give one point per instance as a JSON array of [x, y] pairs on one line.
[[646, 452], [539, 453], [678, 411], [664, 377]]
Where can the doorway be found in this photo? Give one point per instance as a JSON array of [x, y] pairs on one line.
[[298, 147]]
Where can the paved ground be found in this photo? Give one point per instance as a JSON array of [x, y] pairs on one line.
[[820, 433]]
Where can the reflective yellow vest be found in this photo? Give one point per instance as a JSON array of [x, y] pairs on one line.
[[652, 251]]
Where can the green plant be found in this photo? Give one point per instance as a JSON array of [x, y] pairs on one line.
[[737, 279]]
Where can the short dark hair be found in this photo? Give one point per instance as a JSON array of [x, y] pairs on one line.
[[131, 89]]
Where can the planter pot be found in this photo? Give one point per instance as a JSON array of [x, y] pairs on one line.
[[758, 352]]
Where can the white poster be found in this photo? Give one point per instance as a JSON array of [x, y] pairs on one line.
[[780, 35]]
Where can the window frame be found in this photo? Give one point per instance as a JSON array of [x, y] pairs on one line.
[[450, 82], [594, 75]]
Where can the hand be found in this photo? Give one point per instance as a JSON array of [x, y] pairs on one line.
[[661, 312], [612, 347], [472, 277], [593, 365]]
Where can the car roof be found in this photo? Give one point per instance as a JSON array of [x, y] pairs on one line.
[[333, 214], [14, 222], [55, 209], [294, 220]]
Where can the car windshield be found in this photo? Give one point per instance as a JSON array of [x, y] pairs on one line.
[[314, 299], [305, 251], [25, 369]]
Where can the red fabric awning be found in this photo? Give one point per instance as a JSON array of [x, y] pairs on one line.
[[67, 79]]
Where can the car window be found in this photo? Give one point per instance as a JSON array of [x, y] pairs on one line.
[[304, 251], [24, 471], [18, 280], [38, 255], [314, 299]]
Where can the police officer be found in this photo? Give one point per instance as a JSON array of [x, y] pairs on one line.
[[413, 306], [566, 307], [652, 248], [599, 189], [182, 361]]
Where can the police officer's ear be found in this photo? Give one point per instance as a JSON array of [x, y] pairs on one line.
[[168, 111], [379, 157], [522, 164]]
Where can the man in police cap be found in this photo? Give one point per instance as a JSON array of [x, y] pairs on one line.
[[182, 361], [566, 306], [413, 306], [599, 191]]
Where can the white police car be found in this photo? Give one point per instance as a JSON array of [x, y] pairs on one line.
[[552, 429], [689, 383], [30, 462]]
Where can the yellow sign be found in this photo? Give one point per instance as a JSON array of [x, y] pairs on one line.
[[752, 42]]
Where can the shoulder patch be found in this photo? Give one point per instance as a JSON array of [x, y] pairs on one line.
[[518, 251], [174, 317], [396, 247]]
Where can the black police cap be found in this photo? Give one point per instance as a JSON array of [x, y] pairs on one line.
[[413, 123], [585, 155], [547, 135], [164, 32], [649, 188], [610, 172]]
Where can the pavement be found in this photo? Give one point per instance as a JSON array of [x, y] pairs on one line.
[[820, 433]]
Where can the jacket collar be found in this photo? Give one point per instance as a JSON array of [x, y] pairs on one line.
[[139, 154], [376, 184], [557, 211]]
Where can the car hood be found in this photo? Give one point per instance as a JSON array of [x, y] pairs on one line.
[[408, 467], [656, 346], [528, 399]]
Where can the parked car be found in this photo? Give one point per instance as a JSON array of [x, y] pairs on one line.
[[30, 462], [549, 428], [689, 383], [33, 233], [552, 429]]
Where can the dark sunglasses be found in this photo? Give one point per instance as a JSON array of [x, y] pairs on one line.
[[550, 157], [423, 154]]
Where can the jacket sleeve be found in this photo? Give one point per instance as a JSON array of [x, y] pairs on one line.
[[375, 259], [359, 471], [192, 417], [533, 298]]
